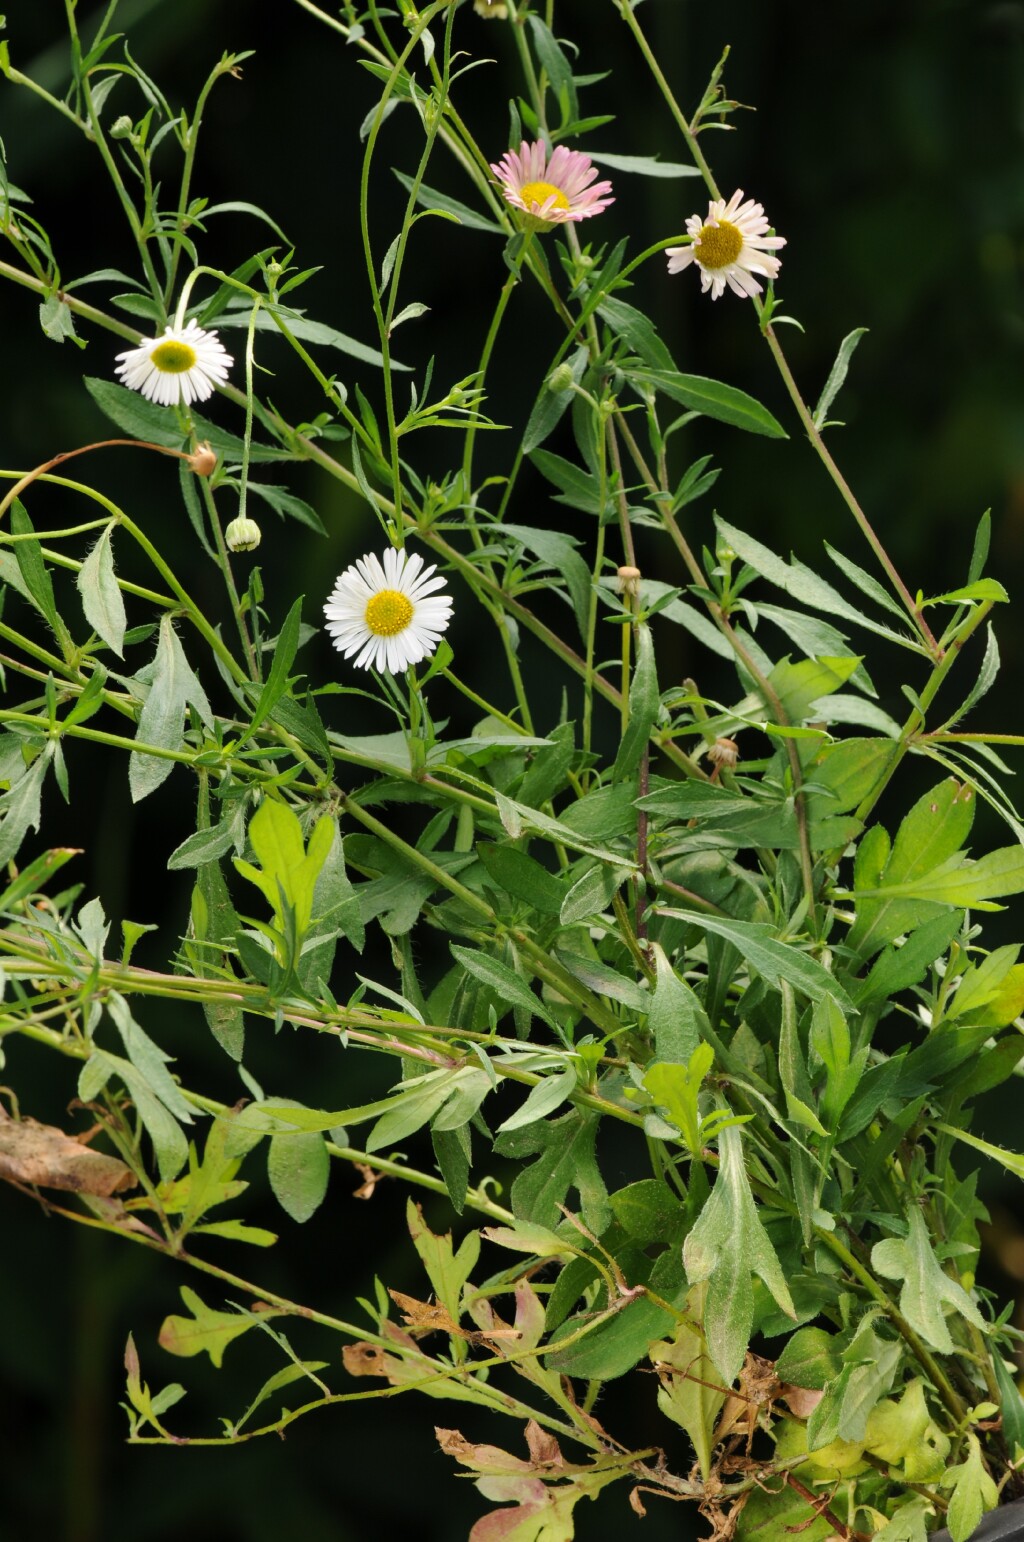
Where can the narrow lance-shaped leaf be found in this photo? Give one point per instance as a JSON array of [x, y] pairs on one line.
[[101, 597], [172, 690], [644, 703], [726, 1246], [837, 375]]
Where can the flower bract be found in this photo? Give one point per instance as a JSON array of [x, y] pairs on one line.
[[387, 611], [551, 190], [729, 247], [182, 365]]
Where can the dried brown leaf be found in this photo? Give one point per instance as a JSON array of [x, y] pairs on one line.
[[425, 1316], [41, 1155], [543, 1447]]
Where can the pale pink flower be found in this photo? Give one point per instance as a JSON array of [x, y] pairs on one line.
[[729, 247], [551, 190]]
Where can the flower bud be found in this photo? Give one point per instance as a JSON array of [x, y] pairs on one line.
[[495, 9], [629, 580], [122, 128], [561, 379], [242, 534], [203, 461]]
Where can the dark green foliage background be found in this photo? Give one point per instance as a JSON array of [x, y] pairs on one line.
[[888, 146]]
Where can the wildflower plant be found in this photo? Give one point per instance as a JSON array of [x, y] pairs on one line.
[[633, 904]]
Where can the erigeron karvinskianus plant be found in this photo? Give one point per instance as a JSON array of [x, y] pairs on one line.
[[667, 910]]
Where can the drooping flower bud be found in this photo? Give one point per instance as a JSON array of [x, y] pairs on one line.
[[243, 534]]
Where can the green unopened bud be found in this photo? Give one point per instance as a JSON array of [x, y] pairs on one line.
[[243, 534], [122, 128], [496, 9], [561, 379]]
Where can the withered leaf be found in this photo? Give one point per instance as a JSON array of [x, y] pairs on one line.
[[425, 1316], [544, 1448], [370, 1176], [42, 1155], [364, 1360]]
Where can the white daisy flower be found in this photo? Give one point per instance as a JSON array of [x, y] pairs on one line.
[[182, 365], [729, 247], [388, 613]]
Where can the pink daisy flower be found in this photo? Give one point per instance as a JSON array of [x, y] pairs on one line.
[[551, 190], [729, 247]]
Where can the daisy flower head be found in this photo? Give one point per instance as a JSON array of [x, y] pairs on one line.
[[179, 367], [387, 611], [729, 247], [551, 190]]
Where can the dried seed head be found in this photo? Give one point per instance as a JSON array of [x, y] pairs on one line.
[[724, 753], [203, 461]]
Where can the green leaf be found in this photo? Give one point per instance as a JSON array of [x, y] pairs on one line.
[[644, 706], [1013, 1161], [898, 967], [648, 1211], [934, 831], [417, 1104], [638, 331], [447, 1270], [202, 846], [675, 1015], [809, 1359], [713, 398], [205, 1332], [21, 805], [577, 488], [797, 579], [974, 1492], [172, 690], [431, 199], [148, 1058], [163, 1129], [644, 165], [282, 659], [759, 945], [503, 981], [615, 1345], [925, 1284], [837, 375], [101, 597], [565, 1159], [549, 1093], [676, 1089], [298, 1167], [550, 406], [287, 873], [726, 1246], [972, 884], [591, 894], [520, 875], [1011, 1405], [32, 565], [559, 551], [687, 1392], [983, 589], [799, 686]]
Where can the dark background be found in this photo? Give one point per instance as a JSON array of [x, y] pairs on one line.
[[887, 147]]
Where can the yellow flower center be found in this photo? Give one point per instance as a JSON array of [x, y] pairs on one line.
[[719, 245], [388, 612], [173, 358], [538, 193]]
